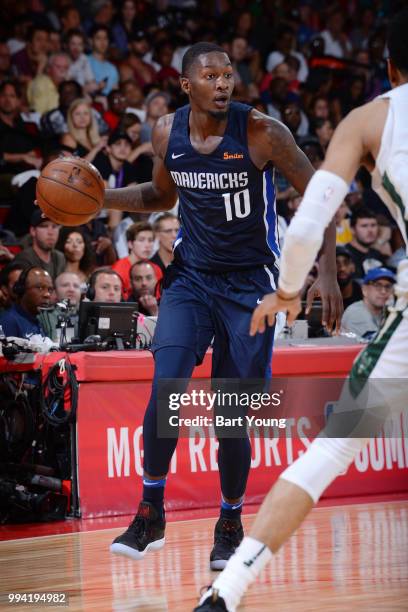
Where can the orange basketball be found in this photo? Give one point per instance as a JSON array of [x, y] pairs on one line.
[[70, 191]]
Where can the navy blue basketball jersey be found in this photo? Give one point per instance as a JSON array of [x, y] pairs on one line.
[[227, 206]]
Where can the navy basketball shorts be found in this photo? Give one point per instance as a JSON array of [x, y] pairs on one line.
[[199, 308]]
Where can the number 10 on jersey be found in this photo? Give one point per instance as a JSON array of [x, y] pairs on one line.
[[240, 206]]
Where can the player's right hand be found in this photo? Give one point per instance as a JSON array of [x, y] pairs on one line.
[[265, 314]]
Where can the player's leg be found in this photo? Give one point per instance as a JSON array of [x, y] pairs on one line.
[[301, 485], [238, 359], [183, 333]]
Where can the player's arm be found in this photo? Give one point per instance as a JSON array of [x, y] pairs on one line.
[[271, 141], [158, 195], [322, 198]]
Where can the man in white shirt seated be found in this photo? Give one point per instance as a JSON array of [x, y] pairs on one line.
[[364, 318]]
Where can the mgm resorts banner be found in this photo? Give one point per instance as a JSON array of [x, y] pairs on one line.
[[281, 419]]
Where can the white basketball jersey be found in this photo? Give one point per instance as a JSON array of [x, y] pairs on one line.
[[390, 175]]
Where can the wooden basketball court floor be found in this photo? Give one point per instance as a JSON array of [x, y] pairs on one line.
[[348, 557]]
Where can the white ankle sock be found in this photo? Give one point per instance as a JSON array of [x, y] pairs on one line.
[[242, 568]]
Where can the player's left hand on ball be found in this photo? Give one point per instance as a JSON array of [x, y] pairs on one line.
[[327, 289], [271, 304]]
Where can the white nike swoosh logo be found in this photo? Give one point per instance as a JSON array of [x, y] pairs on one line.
[[174, 156], [259, 301]]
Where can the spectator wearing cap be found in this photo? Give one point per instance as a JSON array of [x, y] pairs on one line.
[[364, 227], [42, 253], [105, 73], [42, 91], [350, 288], [115, 168], [113, 165], [142, 72], [364, 318], [157, 105]]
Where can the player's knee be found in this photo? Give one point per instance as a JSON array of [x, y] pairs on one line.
[[325, 459], [340, 450]]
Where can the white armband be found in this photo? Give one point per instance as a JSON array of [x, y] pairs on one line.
[[304, 236]]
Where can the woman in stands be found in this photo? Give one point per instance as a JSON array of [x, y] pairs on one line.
[[79, 255], [83, 138]]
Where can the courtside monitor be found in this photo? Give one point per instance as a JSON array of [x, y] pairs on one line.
[[109, 320]]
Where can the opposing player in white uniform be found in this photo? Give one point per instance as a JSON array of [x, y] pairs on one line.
[[376, 136]]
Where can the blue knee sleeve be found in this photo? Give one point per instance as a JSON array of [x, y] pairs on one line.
[[170, 362]]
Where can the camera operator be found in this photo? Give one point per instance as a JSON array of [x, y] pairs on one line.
[[61, 323]]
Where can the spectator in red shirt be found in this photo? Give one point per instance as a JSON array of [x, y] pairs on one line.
[[116, 107], [140, 239]]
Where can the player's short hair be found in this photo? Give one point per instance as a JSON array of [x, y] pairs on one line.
[[191, 55], [136, 228], [397, 41], [361, 213]]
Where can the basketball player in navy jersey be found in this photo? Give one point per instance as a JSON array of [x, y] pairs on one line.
[[217, 157]]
